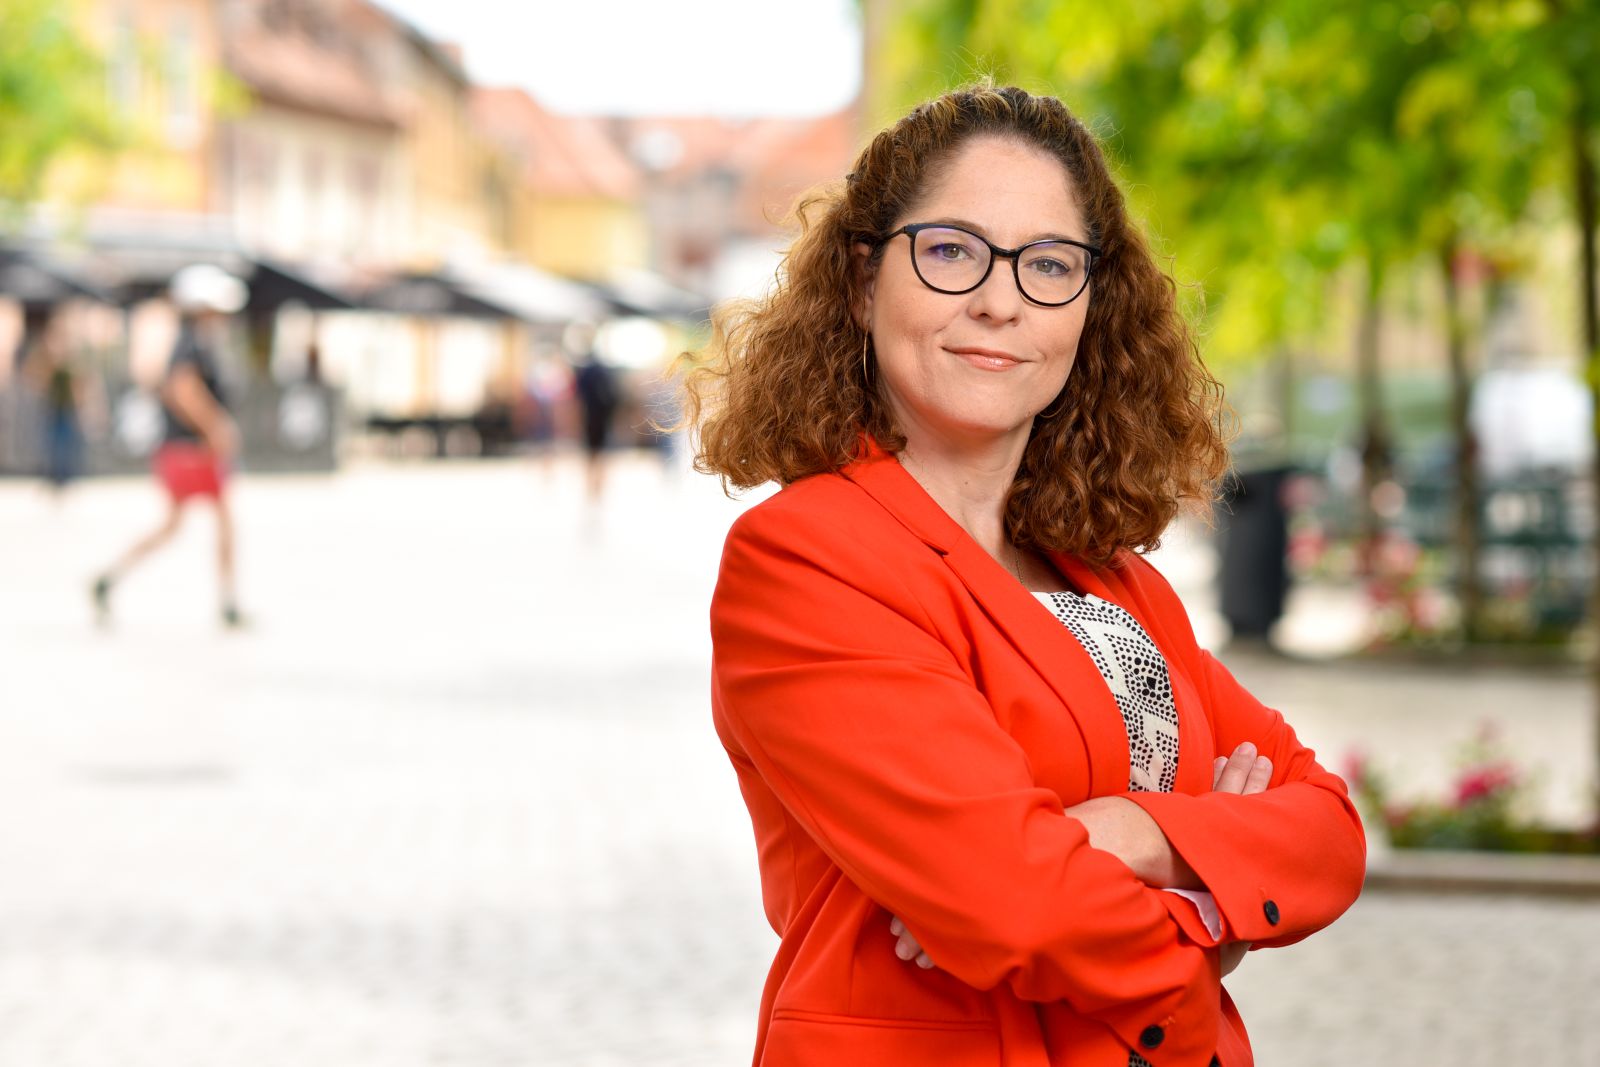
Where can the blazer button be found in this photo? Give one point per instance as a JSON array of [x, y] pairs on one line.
[[1271, 910], [1152, 1036]]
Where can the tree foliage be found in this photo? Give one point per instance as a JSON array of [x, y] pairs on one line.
[[1274, 142], [53, 97]]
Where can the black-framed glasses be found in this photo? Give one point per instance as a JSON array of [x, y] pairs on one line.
[[949, 259]]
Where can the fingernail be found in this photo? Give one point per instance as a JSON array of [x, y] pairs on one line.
[[901, 950], [924, 962], [896, 926], [1245, 749]]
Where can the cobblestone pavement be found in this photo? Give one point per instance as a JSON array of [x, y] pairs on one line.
[[453, 799]]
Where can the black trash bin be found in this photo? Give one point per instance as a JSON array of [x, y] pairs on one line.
[[1253, 537]]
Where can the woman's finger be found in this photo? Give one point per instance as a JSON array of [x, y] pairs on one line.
[[1216, 770], [1259, 777], [1237, 770], [906, 946]]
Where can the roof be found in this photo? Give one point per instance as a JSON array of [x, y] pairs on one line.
[[774, 159], [783, 158], [560, 155], [326, 72]]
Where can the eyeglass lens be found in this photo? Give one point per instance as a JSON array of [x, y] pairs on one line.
[[955, 261]]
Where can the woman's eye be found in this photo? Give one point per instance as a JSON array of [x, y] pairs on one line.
[[1054, 268], [949, 251]]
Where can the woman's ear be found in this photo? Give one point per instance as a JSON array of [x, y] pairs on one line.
[[866, 276]]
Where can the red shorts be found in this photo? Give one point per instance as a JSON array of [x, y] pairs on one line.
[[187, 469]]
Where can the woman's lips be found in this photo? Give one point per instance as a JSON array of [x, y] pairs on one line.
[[985, 358]]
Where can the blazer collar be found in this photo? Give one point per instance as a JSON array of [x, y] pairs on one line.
[[1033, 631]]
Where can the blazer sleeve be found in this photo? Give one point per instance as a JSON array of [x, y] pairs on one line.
[[832, 682], [1280, 864]]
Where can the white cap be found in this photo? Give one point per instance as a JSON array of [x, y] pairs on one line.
[[203, 287]]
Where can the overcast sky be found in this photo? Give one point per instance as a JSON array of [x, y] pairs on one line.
[[725, 57]]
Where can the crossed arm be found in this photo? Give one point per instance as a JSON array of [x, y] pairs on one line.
[[1122, 828]]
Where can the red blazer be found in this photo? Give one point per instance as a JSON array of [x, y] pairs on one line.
[[907, 723]]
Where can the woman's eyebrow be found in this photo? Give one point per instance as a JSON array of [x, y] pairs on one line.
[[968, 224]]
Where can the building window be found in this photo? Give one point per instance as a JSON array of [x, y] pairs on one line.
[[315, 214], [122, 67], [365, 190], [183, 105]]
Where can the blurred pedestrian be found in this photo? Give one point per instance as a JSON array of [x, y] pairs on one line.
[[200, 439], [1007, 810], [599, 395], [61, 388]]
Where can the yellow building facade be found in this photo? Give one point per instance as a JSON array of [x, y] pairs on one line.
[[578, 205], [165, 92]]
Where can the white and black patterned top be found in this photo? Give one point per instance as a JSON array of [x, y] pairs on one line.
[[1136, 671]]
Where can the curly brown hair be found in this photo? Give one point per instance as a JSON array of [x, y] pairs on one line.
[[783, 390]]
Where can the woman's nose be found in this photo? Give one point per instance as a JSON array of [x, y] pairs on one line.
[[998, 297]]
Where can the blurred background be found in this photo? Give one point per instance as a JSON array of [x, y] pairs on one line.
[[449, 794]]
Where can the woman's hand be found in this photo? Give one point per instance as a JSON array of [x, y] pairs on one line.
[[907, 947], [1120, 827], [1244, 772], [1231, 955]]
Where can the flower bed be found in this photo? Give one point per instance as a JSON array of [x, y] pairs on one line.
[[1484, 809]]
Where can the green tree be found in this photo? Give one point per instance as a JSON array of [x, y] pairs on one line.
[[1290, 144], [1559, 51], [53, 98]]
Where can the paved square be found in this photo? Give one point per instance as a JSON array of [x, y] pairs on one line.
[[454, 799]]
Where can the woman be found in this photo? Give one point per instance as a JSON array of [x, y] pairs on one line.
[[1007, 811], [200, 438]]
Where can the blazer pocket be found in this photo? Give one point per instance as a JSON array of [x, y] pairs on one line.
[[816, 1039]]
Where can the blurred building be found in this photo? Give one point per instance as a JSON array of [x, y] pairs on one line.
[[415, 245], [314, 164], [719, 192], [577, 209], [162, 61]]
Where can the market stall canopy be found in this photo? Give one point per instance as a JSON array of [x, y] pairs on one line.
[[641, 292], [30, 279], [535, 295], [273, 286], [147, 275], [433, 294]]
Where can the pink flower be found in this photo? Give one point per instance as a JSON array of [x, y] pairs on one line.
[[1357, 766], [1482, 782]]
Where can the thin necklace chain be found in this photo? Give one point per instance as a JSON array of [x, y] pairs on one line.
[[1016, 564]]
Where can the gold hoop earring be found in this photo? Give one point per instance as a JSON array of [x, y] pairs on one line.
[[1048, 415]]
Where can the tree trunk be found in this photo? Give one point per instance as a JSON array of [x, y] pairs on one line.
[[1468, 534], [1288, 384], [1588, 210], [1377, 453]]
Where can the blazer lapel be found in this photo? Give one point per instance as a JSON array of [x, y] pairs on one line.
[[1038, 637]]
